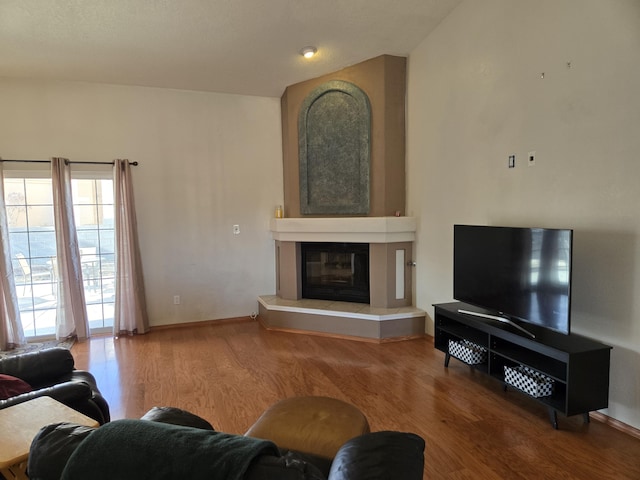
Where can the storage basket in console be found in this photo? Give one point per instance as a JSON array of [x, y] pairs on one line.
[[467, 352], [528, 380]]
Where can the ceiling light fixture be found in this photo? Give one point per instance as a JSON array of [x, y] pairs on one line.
[[308, 52]]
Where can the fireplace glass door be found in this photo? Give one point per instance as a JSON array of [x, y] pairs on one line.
[[335, 271]]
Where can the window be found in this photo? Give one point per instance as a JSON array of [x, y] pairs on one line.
[[29, 203], [93, 212]]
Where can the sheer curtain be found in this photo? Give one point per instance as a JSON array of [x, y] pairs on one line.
[[11, 332], [130, 308], [71, 317]]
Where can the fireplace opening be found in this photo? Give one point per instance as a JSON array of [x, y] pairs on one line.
[[335, 271]]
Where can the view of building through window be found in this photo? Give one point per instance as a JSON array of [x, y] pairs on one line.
[[29, 204]]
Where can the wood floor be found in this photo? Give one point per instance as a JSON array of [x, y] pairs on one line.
[[230, 373]]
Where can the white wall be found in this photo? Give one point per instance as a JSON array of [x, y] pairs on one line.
[[476, 94], [207, 161]]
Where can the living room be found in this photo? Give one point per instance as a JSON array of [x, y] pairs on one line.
[[495, 78]]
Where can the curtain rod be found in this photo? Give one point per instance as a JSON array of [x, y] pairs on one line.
[[67, 162]]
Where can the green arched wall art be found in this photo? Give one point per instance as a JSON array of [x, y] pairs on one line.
[[334, 135]]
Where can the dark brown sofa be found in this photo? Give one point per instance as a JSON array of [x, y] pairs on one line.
[[169, 443], [51, 372]]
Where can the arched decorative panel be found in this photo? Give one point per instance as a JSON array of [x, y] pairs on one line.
[[334, 130]]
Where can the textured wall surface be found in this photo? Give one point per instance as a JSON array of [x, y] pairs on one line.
[[477, 95], [207, 162], [334, 130]]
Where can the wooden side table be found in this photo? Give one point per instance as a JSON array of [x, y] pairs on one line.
[[20, 423]]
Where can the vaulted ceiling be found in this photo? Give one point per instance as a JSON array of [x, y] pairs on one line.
[[234, 46]]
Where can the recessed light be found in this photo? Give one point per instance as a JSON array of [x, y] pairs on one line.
[[308, 52]]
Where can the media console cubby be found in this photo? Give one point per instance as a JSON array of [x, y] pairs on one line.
[[578, 366]]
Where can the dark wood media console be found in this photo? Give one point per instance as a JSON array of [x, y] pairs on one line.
[[578, 366]]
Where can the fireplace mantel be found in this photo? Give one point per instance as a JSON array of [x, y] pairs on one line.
[[344, 229]]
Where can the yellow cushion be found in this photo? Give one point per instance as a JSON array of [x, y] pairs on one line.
[[314, 425]]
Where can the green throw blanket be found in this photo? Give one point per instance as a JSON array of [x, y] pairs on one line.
[[139, 450]]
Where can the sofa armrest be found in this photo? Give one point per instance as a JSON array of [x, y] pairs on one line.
[[37, 368], [51, 448], [67, 393], [100, 408], [380, 455]]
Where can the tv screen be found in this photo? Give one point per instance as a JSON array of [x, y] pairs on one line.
[[521, 273]]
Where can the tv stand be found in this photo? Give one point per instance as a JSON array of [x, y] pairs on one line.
[[578, 366], [499, 319]]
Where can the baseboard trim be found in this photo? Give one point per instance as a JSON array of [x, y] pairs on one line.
[[617, 424], [203, 323], [337, 335]]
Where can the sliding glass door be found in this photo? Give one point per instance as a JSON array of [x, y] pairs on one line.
[[93, 212], [33, 247]]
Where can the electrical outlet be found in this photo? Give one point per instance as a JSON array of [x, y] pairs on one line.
[[531, 159], [512, 161], [236, 229], [176, 299]]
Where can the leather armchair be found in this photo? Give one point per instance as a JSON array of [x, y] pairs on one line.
[[52, 373]]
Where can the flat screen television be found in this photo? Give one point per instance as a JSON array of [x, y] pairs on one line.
[[515, 273]]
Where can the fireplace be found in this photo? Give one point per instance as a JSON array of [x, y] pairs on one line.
[[387, 240], [338, 255], [335, 271], [373, 285]]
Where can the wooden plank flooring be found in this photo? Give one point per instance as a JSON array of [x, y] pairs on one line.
[[230, 373]]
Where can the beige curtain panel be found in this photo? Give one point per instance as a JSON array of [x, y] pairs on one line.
[[11, 332], [71, 318], [130, 308]]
